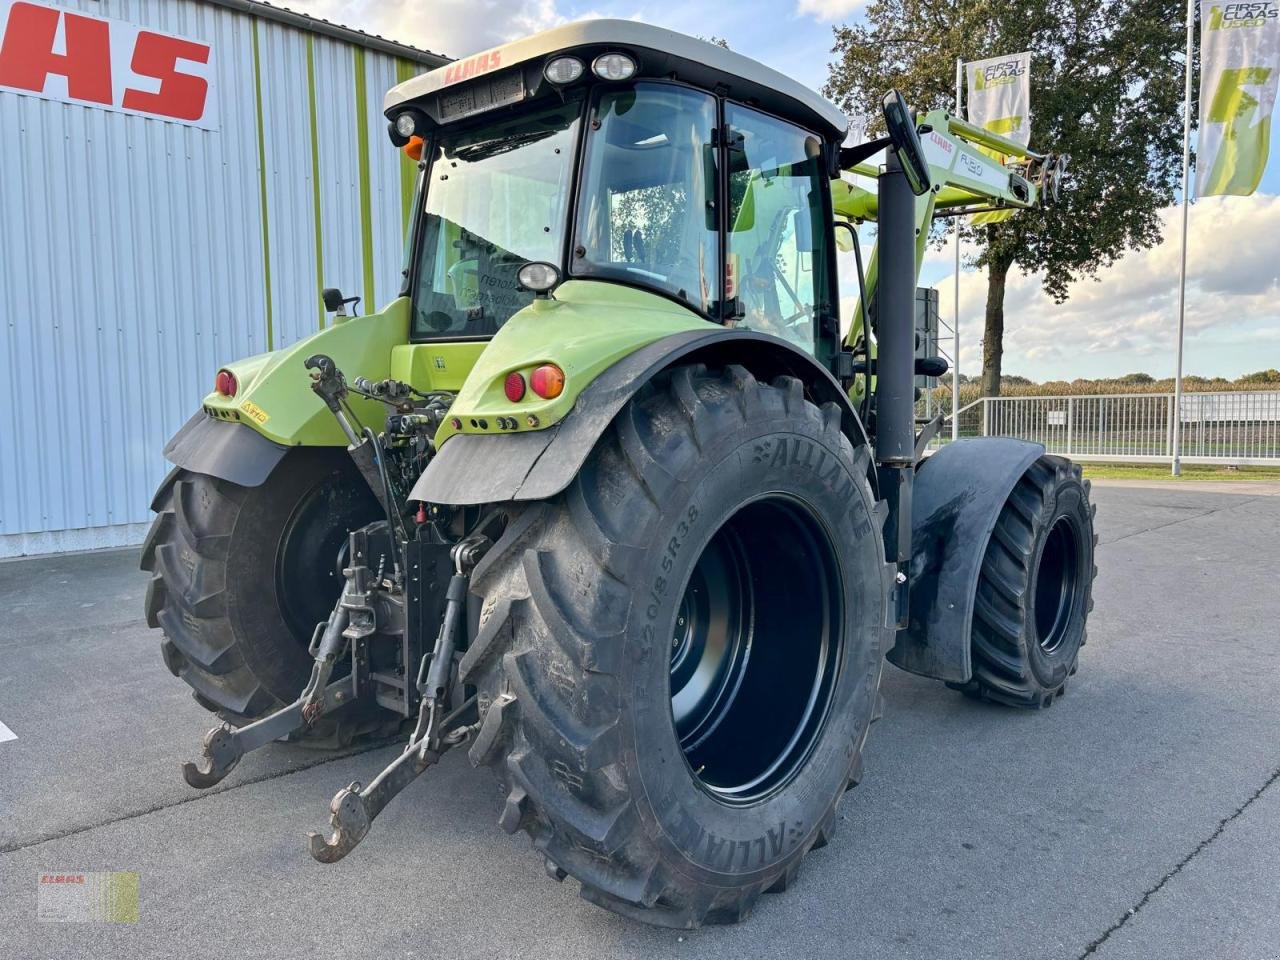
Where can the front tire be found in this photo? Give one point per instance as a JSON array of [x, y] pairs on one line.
[[679, 657], [241, 575], [1035, 589]]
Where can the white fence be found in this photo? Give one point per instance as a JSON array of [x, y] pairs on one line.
[[1238, 428]]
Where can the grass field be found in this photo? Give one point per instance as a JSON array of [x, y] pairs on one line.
[[1190, 471]]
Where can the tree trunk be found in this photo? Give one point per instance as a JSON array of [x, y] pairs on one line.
[[993, 336]]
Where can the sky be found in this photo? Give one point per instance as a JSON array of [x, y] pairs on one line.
[[1123, 321]]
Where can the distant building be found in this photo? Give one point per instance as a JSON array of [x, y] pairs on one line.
[[179, 181]]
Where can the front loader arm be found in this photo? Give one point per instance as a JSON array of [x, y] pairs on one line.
[[973, 171]]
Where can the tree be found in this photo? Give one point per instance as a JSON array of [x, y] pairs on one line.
[[1261, 376], [1106, 89]]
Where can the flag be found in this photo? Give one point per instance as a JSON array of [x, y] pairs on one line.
[[999, 100], [1239, 57]]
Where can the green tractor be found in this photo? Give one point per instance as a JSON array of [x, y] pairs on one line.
[[606, 495]]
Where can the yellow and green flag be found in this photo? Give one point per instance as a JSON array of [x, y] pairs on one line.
[[999, 99], [1239, 56]]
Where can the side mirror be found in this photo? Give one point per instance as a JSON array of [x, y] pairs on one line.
[[906, 142], [334, 301]]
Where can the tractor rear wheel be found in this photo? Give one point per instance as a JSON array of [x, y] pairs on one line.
[[241, 575], [1035, 589], [679, 657]]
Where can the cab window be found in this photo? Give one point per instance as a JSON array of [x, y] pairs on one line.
[[647, 213], [775, 250], [496, 199]]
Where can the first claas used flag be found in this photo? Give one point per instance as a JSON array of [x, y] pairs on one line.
[[1239, 56], [999, 99]]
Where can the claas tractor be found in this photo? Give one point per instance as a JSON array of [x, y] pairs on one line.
[[607, 495]]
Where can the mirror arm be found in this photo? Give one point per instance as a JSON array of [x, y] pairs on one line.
[[850, 157]]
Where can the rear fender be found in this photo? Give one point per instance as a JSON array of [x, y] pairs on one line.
[[223, 449], [473, 469], [958, 495]]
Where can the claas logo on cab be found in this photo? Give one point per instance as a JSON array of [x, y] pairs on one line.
[[63, 55]]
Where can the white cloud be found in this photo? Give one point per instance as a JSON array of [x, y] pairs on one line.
[[829, 9], [1126, 319], [454, 28]]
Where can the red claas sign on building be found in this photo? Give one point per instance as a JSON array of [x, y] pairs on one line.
[[65, 55]]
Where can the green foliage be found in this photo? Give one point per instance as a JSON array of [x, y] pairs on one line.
[[1106, 90], [1262, 377], [1015, 386]]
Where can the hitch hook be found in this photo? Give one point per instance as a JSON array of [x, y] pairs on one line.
[[353, 808]]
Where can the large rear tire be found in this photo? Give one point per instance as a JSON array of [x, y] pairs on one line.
[[679, 657], [241, 575], [1035, 589]]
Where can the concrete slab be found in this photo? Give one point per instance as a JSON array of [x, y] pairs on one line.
[[979, 832]]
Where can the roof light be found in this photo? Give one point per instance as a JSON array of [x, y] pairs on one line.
[[538, 276], [513, 386], [406, 125], [225, 383], [614, 66], [563, 70], [547, 381]]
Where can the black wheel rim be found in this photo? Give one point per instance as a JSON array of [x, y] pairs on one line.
[[308, 564], [755, 650], [1057, 583]]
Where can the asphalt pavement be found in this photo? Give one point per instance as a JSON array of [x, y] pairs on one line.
[[1137, 818]]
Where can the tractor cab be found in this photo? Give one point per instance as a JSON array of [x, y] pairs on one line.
[[616, 152]]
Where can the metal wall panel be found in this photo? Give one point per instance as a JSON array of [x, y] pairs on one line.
[[132, 260]]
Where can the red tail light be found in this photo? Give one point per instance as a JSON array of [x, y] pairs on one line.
[[514, 387], [547, 381], [225, 383]]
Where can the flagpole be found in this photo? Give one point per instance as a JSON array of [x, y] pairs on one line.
[[1176, 463], [955, 318]]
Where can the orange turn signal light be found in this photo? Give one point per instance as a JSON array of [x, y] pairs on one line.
[[547, 381], [413, 149]]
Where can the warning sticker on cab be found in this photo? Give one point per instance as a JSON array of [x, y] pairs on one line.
[[254, 412]]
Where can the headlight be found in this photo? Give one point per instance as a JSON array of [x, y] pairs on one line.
[[614, 66], [563, 70]]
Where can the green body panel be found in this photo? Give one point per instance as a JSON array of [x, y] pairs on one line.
[[587, 327], [274, 396]]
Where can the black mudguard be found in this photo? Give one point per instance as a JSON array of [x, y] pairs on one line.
[[958, 495], [219, 448], [473, 469]]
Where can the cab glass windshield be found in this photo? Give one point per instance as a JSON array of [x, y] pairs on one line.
[[647, 212], [496, 200]]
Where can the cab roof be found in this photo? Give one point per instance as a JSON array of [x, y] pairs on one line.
[[659, 52]]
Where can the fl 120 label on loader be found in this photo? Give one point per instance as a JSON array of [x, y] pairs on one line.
[[604, 496]]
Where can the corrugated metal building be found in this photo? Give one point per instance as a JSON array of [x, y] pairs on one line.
[[179, 180]]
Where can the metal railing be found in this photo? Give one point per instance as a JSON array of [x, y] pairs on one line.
[[1237, 428]]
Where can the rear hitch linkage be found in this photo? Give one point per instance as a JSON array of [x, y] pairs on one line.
[[351, 620], [224, 745], [354, 808]]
